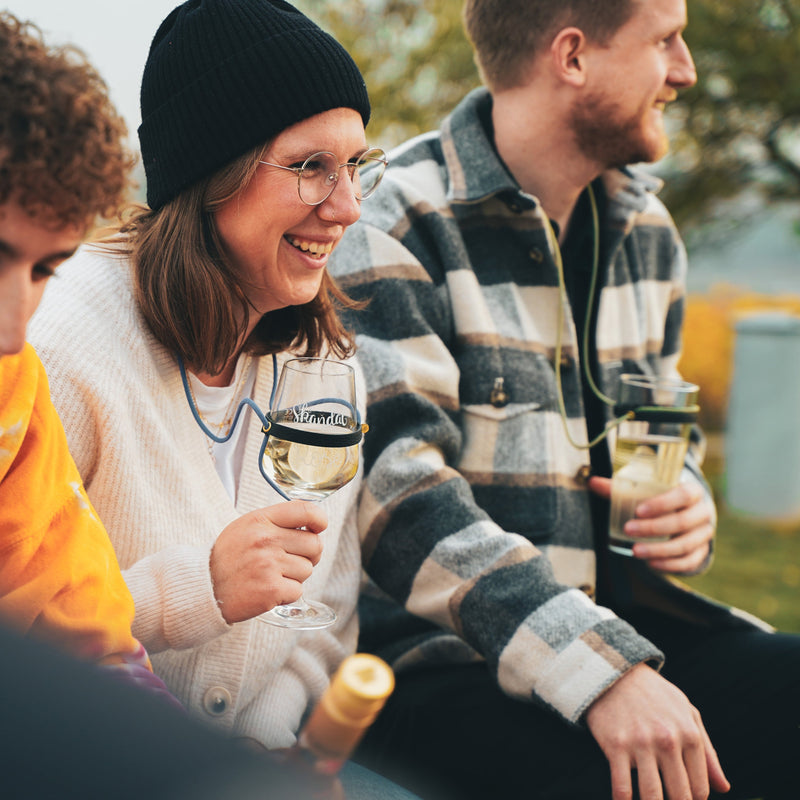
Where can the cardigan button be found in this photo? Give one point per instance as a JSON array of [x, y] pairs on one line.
[[216, 701]]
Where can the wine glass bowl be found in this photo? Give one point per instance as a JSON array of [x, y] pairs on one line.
[[308, 471]]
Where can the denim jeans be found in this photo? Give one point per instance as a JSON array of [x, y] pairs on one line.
[[361, 784]]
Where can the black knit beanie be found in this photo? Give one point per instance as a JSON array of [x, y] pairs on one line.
[[223, 76]]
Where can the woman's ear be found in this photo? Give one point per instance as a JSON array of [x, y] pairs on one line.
[[568, 51]]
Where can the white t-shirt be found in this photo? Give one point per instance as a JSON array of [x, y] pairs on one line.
[[217, 408]]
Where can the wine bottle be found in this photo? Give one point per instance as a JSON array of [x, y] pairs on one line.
[[352, 701]]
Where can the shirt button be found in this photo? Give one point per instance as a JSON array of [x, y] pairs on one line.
[[587, 589], [498, 396], [216, 701], [536, 255], [583, 473]]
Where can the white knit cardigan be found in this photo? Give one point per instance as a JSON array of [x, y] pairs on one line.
[[148, 472]]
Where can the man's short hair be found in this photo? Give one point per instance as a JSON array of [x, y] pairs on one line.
[[63, 155], [507, 34]]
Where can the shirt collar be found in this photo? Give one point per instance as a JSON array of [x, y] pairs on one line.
[[474, 168], [476, 171]]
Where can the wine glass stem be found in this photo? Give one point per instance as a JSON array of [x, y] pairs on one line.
[[297, 609]]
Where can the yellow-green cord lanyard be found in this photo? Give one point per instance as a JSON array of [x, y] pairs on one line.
[[584, 358]]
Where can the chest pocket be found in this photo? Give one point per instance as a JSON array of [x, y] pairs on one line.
[[506, 453]]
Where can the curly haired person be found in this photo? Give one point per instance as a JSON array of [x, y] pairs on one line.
[[63, 164]]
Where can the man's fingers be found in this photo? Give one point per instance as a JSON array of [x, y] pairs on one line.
[[716, 775], [600, 486], [682, 496], [649, 779], [682, 554], [621, 780]]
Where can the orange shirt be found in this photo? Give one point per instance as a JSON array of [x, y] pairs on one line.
[[59, 577]]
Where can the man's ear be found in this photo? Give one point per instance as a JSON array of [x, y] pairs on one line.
[[568, 51]]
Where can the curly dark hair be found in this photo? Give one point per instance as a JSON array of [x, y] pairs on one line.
[[63, 151]]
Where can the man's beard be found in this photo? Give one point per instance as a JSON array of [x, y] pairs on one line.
[[605, 137]]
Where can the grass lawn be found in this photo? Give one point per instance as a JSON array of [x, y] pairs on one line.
[[757, 566]]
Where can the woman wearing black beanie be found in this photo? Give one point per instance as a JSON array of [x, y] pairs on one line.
[[254, 148]]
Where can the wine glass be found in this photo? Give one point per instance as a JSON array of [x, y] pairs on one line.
[[311, 452]]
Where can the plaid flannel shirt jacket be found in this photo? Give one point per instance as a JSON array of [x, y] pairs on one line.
[[475, 519]]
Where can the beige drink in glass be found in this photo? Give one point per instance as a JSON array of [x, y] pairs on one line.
[[650, 448]]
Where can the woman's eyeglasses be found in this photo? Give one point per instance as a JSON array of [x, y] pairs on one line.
[[318, 175]]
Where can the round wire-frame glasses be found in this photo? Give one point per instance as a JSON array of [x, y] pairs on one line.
[[318, 175]]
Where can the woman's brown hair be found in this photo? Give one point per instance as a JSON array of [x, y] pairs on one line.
[[190, 294]]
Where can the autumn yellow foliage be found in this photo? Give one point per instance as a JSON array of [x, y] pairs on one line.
[[709, 342]]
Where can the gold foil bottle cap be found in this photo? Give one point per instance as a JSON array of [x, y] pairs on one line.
[[348, 707], [359, 689]]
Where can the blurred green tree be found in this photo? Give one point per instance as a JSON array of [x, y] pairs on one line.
[[414, 56], [736, 134], [736, 131]]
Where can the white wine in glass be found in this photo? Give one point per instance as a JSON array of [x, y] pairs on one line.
[[312, 451], [309, 472]]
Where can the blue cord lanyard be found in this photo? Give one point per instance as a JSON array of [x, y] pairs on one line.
[[269, 427]]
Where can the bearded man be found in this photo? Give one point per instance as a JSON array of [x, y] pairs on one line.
[[515, 264]]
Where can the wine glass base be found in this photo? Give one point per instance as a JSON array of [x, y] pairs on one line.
[[309, 616]]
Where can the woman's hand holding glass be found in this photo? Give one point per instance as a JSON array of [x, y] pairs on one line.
[[262, 558], [311, 451]]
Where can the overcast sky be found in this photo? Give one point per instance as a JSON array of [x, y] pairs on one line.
[[116, 37]]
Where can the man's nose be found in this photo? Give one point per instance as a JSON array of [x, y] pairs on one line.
[[682, 72]]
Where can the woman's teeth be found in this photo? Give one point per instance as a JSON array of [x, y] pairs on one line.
[[314, 249]]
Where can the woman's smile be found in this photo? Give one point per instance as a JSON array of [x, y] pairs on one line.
[[279, 245], [315, 249]]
